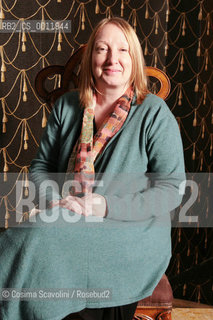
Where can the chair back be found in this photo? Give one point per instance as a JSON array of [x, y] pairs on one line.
[[68, 76]]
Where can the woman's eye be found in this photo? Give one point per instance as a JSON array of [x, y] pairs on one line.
[[124, 50], [101, 49]]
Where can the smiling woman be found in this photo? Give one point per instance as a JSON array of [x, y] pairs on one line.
[[111, 69], [119, 49], [108, 136]]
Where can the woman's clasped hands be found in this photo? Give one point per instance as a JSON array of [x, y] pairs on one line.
[[91, 204]]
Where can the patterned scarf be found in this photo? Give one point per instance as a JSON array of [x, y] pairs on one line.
[[88, 147]]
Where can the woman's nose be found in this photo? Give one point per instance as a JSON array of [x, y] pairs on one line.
[[112, 56]]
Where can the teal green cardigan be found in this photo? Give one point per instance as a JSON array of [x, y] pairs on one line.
[[138, 173]]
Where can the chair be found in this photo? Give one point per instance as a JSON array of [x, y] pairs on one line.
[[69, 75], [159, 305]]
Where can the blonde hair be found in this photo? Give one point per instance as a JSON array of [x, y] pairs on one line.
[[138, 77]]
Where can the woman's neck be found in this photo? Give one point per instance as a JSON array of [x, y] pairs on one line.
[[105, 104], [108, 98]]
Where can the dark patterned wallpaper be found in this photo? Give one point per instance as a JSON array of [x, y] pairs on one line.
[[176, 36]]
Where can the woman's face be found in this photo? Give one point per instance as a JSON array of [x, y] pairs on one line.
[[111, 61]]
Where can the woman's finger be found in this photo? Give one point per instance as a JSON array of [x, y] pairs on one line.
[[86, 204], [76, 207]]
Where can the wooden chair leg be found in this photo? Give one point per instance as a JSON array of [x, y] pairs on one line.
[[167, 315], [142, 317], [153, 314]]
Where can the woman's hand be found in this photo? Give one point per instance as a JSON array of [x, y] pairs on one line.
[[91, 204], [69, 203]]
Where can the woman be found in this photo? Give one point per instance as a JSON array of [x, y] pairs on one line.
[[111, 134]]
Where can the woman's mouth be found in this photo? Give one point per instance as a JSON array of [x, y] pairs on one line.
[[111, 71]]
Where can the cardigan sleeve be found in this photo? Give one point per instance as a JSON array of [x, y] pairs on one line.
[[165, 170], [49, 166], [44, 168]]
